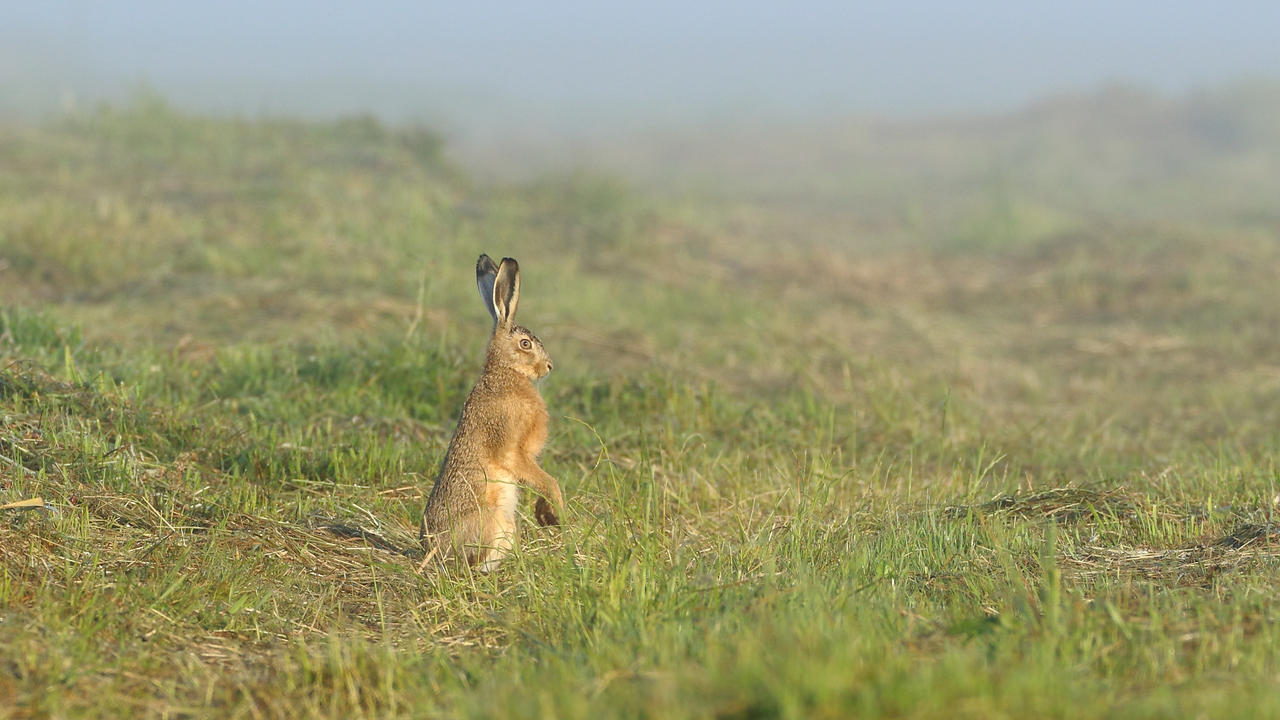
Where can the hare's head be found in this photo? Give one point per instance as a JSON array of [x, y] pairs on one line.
[[512, 346]]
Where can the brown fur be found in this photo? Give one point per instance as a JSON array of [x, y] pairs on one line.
[[471, 509]]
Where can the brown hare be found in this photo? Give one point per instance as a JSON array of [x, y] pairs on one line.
[[472, 507]]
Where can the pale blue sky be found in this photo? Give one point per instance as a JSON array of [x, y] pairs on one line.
[[574, 64]]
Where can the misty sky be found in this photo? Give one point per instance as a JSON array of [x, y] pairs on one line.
[[573, 64]]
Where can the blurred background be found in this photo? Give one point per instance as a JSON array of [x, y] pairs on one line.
[[1016, 204], [486, 72]]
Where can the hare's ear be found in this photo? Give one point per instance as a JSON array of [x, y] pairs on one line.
[[506, 293], [486, 272]]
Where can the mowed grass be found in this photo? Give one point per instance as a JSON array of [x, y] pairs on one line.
[[807, 476]]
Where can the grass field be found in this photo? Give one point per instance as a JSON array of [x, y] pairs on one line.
[[955, 448]]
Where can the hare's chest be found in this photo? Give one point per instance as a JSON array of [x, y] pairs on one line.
[[535, 435]]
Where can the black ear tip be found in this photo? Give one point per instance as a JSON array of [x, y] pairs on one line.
[[484, 264], [512, 261]]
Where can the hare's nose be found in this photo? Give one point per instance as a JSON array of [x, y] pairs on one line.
[[550, 367]]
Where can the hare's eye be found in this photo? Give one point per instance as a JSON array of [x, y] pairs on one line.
[[525, 344]]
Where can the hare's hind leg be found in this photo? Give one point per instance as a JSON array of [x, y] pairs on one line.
[[500, 524]]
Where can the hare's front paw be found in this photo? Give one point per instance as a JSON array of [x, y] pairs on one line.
[[545, 514]]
